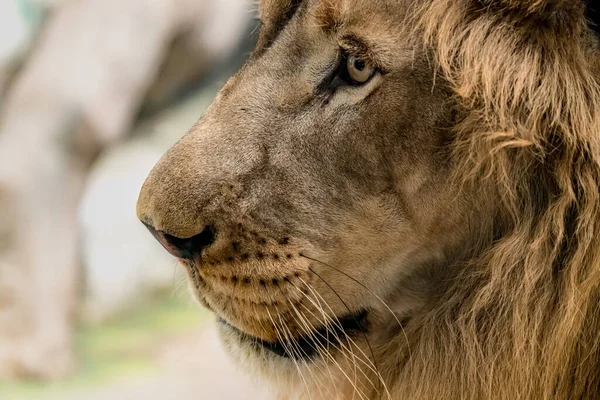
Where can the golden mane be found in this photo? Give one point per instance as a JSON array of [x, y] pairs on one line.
[[523, 319]]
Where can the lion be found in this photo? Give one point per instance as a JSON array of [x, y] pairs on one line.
[[399, 199]]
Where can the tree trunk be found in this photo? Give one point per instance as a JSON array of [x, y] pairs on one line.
[[78, 93]]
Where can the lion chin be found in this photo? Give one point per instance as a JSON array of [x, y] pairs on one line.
[[399, 200]]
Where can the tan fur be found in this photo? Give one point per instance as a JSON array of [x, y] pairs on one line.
[[455, 197]]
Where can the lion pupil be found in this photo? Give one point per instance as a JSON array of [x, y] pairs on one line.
[[359, 64]]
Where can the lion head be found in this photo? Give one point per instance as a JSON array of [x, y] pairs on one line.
[[400, 199]]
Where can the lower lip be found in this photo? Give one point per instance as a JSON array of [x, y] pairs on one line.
[[308, 347]]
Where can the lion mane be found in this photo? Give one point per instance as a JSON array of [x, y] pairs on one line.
[[523, 320]]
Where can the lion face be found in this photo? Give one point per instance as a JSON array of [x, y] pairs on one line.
[[314, 192]]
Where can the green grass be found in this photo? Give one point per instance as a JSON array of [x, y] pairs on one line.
[[117, 349]]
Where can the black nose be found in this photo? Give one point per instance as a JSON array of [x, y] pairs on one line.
[[187, 248]]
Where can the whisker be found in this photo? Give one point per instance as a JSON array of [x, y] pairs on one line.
[[296, 351], [282, 341], [349, 340], [299, 352], [308, 328], [327, 320], [295, 346], [370, 291], [337, 322], [345, 351], [363, 334], [369, 364], [179, 287]]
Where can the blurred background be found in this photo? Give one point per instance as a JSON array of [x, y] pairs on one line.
[[92, 93]]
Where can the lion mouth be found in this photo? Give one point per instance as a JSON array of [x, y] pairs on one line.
[[308, 347]]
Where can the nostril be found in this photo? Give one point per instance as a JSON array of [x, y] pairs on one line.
[[186, 248], [190, 247]]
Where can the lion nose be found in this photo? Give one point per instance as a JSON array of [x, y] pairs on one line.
[[186, 248]]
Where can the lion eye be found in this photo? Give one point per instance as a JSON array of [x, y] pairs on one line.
[[350, 70], [359, 70]]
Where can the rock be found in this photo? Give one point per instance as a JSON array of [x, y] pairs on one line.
[[78, 94]]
